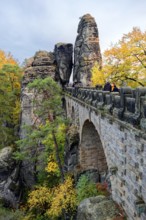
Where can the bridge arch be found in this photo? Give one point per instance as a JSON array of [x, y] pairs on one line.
[[91, 154]]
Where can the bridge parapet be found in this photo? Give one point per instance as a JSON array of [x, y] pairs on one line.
[[127, 105]]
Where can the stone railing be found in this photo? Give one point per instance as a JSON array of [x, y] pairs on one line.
[[127, 105]]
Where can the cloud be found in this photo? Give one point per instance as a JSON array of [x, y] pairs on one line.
[[32, 25]]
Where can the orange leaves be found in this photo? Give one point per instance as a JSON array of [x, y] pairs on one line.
[[6, 59], [125, 62]]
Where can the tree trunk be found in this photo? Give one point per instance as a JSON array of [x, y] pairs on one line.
[[57, 156]]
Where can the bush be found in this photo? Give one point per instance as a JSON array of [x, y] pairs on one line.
[[102, 189], [85, 188], [7, 214]]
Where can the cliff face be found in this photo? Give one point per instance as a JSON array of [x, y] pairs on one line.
[[40, 66], [57, 65], [63, 56], [87, 50], [10, 183]]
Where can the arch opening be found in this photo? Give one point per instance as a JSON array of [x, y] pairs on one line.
[[91, 155]]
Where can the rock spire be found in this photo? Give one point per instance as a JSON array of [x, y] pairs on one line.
[[87, 50]]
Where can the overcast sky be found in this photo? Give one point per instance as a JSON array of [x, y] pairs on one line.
[[27, 26]]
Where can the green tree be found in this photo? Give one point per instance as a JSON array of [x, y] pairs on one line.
[[48, 131], [10, 79], [85, 188]]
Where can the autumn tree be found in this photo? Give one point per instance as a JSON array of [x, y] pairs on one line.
[[125, 62], [97, 75], [10, 79], [7, 58]]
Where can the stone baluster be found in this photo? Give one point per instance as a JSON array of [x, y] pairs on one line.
[[97, 98], [94, 98], [90, 97], [124, 92], [87, 96], [108, 103], [116, 99], [129, 110], [141, 104], [78, 95], [143, 114], [82, 94]]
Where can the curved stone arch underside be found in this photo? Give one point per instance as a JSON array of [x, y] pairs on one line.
[[91, 155]]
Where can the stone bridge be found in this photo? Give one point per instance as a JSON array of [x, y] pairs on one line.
[[112, 130]]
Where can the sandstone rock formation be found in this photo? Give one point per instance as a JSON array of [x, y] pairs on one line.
[[9, 178], [87, 50], [40, 66], [71, 150], [97, 208], [63, 57], [57, 65]]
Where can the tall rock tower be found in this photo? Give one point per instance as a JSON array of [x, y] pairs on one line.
[[63, 56], [87, 50]]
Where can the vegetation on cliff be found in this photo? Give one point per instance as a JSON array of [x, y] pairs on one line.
[[54, 195]]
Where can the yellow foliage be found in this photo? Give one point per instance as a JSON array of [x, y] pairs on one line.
[[64, 199], [6, 59], [62, 127], [39, 198], [97, 77], [125, 62], [52, 167], [52, 202]]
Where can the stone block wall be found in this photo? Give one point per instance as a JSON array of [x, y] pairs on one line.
[[124, 147]]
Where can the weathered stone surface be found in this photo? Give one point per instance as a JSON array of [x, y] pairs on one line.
[[28, 62], [9, 178], [5, 159], [87, 50], [43, 58], [41, 66], [97, 208], [63, 56], [123, 144], [71, 150]]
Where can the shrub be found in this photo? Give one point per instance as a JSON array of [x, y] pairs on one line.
[[7, 214], [102, 189], [85, 188]]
